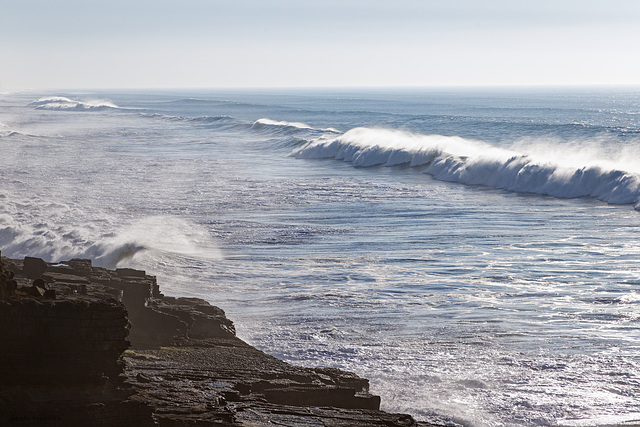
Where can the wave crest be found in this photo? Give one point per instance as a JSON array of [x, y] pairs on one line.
[[473, 162], [145, 241], [6, 131], [287, 128], [155, 237], [67, 104]]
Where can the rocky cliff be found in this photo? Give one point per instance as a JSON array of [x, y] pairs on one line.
[[83, 345]]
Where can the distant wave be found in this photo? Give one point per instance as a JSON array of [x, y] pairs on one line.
[[288, 128], [211, 119], [193, 101], [540, 170], [11, 133], [5, 131], [219, 122], [67, 104], [205, 102]]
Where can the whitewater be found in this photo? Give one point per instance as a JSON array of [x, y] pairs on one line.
[[473, 252]]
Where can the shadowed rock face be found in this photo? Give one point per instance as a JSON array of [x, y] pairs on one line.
[[64, 359], [33, 268], [61, 359], [8, 285], [71, 341]]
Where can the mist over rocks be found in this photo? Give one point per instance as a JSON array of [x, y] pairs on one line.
[[106, 347]]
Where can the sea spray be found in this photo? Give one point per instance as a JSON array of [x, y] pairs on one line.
[[153, 238], [143, 241], [474, 162]]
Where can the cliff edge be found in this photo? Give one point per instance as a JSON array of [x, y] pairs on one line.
[[84, 345]]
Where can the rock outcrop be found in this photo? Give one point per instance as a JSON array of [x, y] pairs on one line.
[[83, 345], [61, 354]]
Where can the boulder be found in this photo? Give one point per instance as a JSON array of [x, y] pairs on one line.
[[33, 268], [36, 291], [41, 284]]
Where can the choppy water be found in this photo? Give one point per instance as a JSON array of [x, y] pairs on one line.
[[473, 252]]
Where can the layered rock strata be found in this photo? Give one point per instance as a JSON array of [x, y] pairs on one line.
[[83, 345]]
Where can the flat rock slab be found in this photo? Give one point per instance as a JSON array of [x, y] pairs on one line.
[[226, 381], [67, 278]]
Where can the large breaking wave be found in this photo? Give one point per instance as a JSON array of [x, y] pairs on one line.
[[155, 238], [534, 167]]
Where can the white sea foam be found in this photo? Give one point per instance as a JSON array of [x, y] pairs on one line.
[[64, 103], [284, 126], [531, 168]]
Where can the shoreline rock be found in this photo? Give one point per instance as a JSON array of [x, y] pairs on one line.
[[87, 345]]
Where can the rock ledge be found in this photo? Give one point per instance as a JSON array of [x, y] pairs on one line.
[[83, 345]]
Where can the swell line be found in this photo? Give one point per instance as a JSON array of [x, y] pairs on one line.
[[567, 173]]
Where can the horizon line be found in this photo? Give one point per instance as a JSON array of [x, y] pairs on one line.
[[342, 87]]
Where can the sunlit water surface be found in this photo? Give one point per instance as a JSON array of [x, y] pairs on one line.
[[464, 297]]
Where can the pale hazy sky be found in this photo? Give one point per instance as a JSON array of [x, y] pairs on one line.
[[266, 43]]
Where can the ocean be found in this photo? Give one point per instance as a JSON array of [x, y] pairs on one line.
[[473, 252]]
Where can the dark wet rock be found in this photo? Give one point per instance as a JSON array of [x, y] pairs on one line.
[[65, 355], [47, 341], [202, 320], [36, 291], [41, 284], [80, 266], [130, 272], [244, 386], [56, 277], [143, 378], [61, 359], [34, 268], [8, 285]]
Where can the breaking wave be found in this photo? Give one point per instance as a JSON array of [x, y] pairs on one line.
[[67, 104], [147, 240], [155, 237], [6, 131], [527, 167], [288, 128]]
